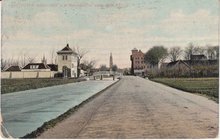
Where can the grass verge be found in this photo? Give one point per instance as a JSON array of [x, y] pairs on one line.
[[205, 86], [14, 85], [53, 122]]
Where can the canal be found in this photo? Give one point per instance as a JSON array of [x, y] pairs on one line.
[[25, 111]]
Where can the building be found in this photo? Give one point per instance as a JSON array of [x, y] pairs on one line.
[[177, 69], [67, 62], [66, 67], [197, 66], [138, 66]]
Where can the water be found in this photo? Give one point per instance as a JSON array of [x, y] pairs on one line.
[[25, 111]]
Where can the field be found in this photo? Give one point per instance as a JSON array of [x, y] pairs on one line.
[[205, 86], [14, 85]]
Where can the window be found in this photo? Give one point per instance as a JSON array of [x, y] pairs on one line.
[[34, 66], [65, 57]]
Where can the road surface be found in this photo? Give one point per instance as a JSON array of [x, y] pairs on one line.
[[139, 108], [25, 111]]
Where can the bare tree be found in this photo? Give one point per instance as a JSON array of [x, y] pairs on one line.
[[31, 59], [190, 50], [3, 64], [175, 53], [80, 54], [212, 52], [216, 48], [88, 66], [199, 50], [52, 55]]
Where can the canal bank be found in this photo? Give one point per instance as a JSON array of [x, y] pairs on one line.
[[24, 112]]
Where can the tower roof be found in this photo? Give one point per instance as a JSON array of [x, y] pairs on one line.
[[66, 50]]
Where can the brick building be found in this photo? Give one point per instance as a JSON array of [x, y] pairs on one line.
[[138, 66]]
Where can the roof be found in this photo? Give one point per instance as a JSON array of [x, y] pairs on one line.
[[198, 57], [189, 63], [13, 68], [53, 67], [66, 50], [202, 62], [176, 62], [40, 66]]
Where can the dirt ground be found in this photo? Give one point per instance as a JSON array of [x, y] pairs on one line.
[[139, 108]]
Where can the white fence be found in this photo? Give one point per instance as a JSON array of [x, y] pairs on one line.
[[27, 74]]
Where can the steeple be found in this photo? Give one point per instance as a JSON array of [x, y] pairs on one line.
[[111, 62]]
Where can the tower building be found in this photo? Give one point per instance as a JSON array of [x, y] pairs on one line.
[[67, 62]]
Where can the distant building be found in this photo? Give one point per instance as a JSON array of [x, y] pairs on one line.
[[67, 62], [197, 66], [198, 57], [138, 66]]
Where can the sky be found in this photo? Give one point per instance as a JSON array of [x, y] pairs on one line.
[[39, 27]]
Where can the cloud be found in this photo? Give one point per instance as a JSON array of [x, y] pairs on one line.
[[199, 23]]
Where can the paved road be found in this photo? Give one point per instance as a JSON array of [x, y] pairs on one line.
[[139, 108], [25, 111]]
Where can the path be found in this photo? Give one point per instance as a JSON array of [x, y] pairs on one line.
[[139, 108]]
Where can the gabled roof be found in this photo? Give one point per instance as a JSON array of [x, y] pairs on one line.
[[171, 64], [40, 66], [13, 68], [66, 50], [53, 67]]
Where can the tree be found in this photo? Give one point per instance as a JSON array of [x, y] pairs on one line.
[[216, 48], [155, 55], [175, 53], [189, 51], [3, 64], [88, 65], [192, 49], [103, 68], [212, 52], [199, 50], [114, 68], [80, 54], [31, 59]]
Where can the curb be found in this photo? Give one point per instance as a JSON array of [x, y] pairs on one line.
[[65, 115]]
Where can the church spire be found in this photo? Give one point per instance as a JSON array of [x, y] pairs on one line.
[[111, 62]]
